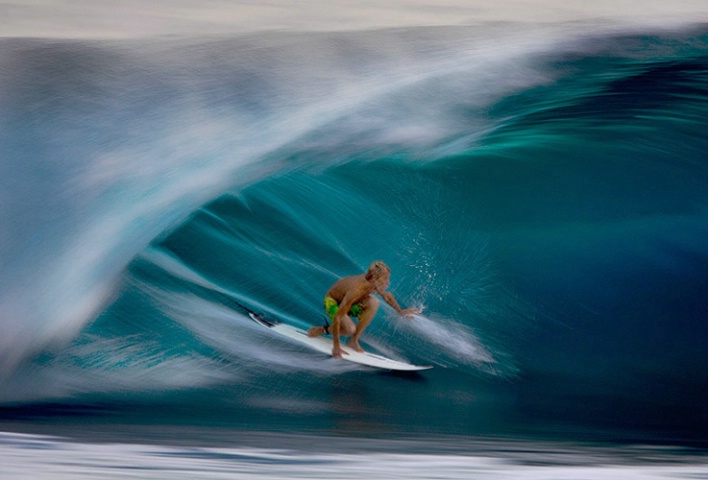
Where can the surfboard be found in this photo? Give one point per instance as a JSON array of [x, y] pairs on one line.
[[324, 345]]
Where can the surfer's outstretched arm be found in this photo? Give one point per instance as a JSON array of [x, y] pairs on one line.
[[391, 300]]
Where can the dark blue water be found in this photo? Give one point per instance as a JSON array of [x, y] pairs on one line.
[[542, 194]]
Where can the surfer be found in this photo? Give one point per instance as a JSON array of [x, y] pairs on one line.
[[352, 297]]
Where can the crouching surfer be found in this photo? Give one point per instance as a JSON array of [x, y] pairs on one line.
[[352, 297]]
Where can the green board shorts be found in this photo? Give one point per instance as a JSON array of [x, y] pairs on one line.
[[332, 307]]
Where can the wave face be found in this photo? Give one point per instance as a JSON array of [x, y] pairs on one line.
[[541, 192]]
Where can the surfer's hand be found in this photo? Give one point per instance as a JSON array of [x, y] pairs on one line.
[[409, 312], [337, 352]]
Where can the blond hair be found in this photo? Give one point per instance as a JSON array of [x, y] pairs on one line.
[[377, 269]]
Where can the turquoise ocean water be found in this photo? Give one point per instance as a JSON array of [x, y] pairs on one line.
[[540, 191]]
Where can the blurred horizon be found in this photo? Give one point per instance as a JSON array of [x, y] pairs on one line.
[[133, 19]]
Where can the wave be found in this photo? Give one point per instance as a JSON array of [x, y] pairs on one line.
[[110, 145], [540, 191]]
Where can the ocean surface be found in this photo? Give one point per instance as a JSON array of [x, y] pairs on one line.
[[539, 189]]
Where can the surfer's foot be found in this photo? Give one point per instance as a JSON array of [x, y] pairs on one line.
[[316, 331], [354, 344]]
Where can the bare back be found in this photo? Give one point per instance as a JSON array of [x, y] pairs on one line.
[[357, 286]]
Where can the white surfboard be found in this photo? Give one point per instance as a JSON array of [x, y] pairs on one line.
[[324, 344]]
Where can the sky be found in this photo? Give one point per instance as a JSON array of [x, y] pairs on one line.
[[140, 18]]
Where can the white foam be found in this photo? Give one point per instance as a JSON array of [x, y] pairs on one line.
[[453, 338], [61, 459]]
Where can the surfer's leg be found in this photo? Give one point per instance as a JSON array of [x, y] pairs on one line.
[[347, 329], [331, 307], [317, 331], [369, 307]]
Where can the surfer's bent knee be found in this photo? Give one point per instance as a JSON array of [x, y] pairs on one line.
[[371, 303], [348, 328]]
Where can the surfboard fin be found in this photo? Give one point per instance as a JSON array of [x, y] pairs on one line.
[[260, 318]]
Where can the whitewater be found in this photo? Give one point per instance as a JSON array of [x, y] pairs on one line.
[[535, 178]]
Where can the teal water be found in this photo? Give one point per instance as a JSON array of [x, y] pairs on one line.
[[543, 197]]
